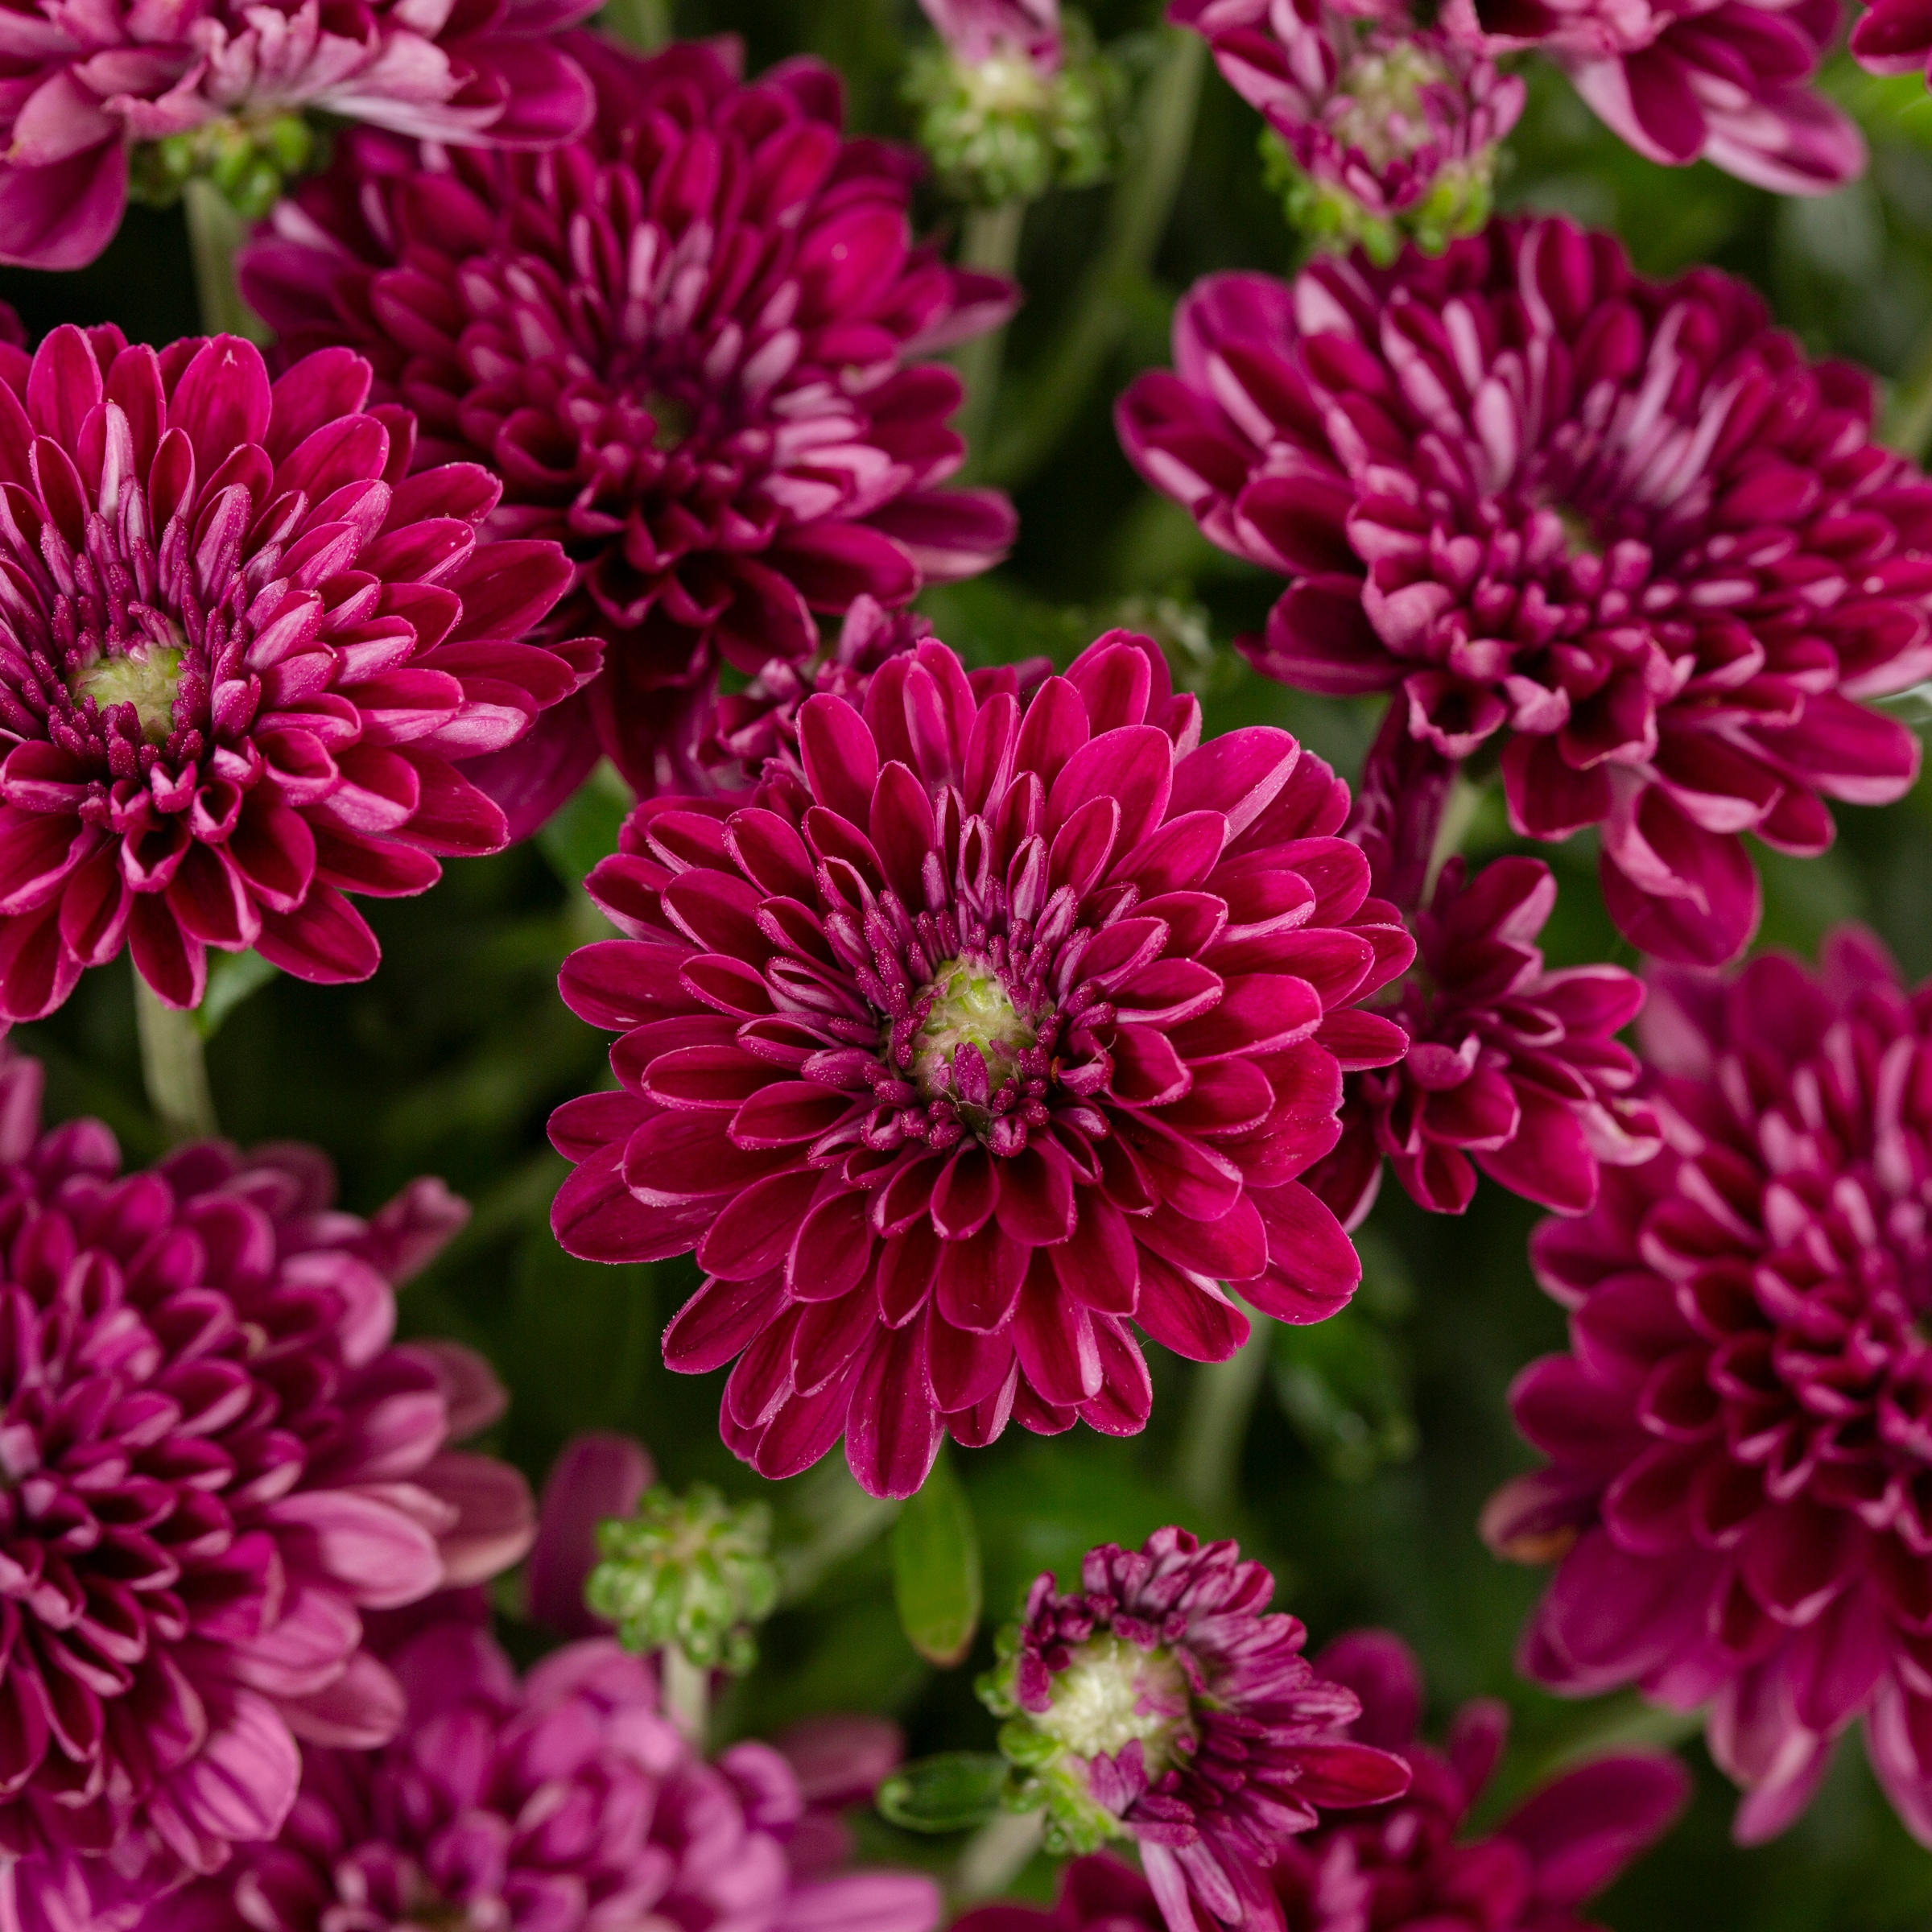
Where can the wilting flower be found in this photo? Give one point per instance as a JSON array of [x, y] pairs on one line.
[[1161, 1702], [1737, 1440], [1401, 1866], [216, 1462], [1511, 1067], [992, 1034], [690, 345], [1383, 129], [1623, 525], [239, 656], [86, 86], [1726, 81], [566, 1802]]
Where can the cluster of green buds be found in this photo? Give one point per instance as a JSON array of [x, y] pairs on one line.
[[690, 1573], [1459, 202], [249, 162], [1007, 128]]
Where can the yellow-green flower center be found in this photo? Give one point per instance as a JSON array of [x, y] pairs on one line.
[[1113, 1693], [1384, 117], [145, 675], [971, 1007]]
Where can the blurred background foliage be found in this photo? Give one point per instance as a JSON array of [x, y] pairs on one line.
[[1375, 1439]]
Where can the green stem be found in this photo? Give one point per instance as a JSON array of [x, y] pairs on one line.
[[990, 242], [1050, 396], [174, 1067], [995, 1854], [686, 1695], [214, 232], [1215, 1427], [644, 24]]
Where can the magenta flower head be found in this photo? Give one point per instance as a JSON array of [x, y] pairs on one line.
[[1736, 1440], [1161, 1703], [1511, 1068], [217, 1463], [690, 346], [565, 1802], [1729, 82], [221, 87], [998, 1031], [1381, 130], [975, 32], [241, 658], [1622, 531]]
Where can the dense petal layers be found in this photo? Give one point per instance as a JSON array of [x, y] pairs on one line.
[[1737, 1479], [1623, 531], [689, 344], [982, 1035], [216, 1464]]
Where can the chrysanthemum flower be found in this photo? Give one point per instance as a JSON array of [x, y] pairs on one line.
[[1728, 81], [975, 32], [1737, 1439], [1391, 129], [993, 1034], [1161, 1703], [240, 656], [85, 85], [1511, 1068], [690, 345], [1622, 529], [566, 1802], [215, 1461]]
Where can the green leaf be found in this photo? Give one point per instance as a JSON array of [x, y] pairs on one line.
[[956, 1791], [936, 1569], [231, 976]]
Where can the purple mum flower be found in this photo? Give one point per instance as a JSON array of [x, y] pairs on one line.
[[1621, 530], [986, 1035], [84, 84], [1161, 1703], [691, 345], [1736, 1485], [216, 1462]]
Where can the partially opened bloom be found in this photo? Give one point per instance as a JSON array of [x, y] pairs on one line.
[[217, 1462], [241, 658], [566, 1802], [1736, 1485], [84, 86], [1621, 530], [691, 345], [1161, 1703], [975, 32], [992, 1034], [1728, 81], [1511, 1068]]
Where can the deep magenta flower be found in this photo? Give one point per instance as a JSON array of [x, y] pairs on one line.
[[1737, 1439], [82, 84], [992, 1034], [1729, 81], [689, 343], [216, 1463], [1622, 529], [240, 657], [565, 1802], [1511, 1068], [1161, 1703]]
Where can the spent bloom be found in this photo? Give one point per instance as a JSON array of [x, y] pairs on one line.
[[566, 1802], [241, 656], [1381, 129], [1161, 1702], [1621, 531], [1737, 1439], [691, 344], [1727, 81], [216, 1462], [220, 88], [990, 1034], [1511, 1067]]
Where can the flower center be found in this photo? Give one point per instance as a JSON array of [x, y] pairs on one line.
[[1380, 102], [1113, 1693], [144, 674], [674, 419], [1006, 82], [973, 1015]]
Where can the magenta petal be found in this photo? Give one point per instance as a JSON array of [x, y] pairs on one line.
[[597, 1476]]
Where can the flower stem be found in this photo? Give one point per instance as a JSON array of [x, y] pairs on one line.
[[644, 24], [686, 1695], [1215, 1426], [214, 232], [995, 1854], [990, 242], [174, 1068]]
